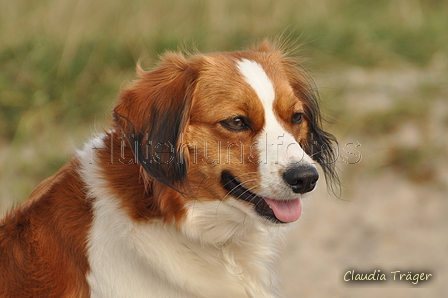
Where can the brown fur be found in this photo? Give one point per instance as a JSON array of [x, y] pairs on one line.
[[43, 243]]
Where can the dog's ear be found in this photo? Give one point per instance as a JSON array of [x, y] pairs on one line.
[[320, 145], [153, 115]]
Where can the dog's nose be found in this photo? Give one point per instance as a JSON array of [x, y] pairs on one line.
[[301, 179]]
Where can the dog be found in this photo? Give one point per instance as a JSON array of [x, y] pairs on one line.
[[206, 163]]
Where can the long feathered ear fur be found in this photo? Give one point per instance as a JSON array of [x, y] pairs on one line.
[[320, 145], [153, 114]]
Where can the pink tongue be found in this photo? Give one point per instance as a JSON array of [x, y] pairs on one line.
[[286, 211]]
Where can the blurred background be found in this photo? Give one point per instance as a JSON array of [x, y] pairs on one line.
[[382, 70]]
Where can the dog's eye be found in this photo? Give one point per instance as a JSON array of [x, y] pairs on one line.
[[237, 123], [297, 118]]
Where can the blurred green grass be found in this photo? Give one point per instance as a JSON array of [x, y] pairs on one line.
[[63, 62]]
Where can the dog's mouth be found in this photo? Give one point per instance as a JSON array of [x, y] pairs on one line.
[[278, 211]]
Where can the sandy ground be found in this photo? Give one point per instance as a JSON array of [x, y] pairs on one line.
[[387, 224]]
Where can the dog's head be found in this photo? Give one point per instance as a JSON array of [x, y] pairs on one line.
[[236, 135]]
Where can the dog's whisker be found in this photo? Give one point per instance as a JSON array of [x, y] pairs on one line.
[[230, 192], [236, 187], [249, 173]]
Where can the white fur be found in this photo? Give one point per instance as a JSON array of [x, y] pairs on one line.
[[217, 252], [220, 250], [277, 148]]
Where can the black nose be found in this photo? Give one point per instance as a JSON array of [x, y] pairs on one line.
[[302, 179]]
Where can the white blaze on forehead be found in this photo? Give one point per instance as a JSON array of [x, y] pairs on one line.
[[257, 78], [275, 134], [277, 148]]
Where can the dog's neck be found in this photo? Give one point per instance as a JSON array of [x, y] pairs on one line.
[[241, 259]]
